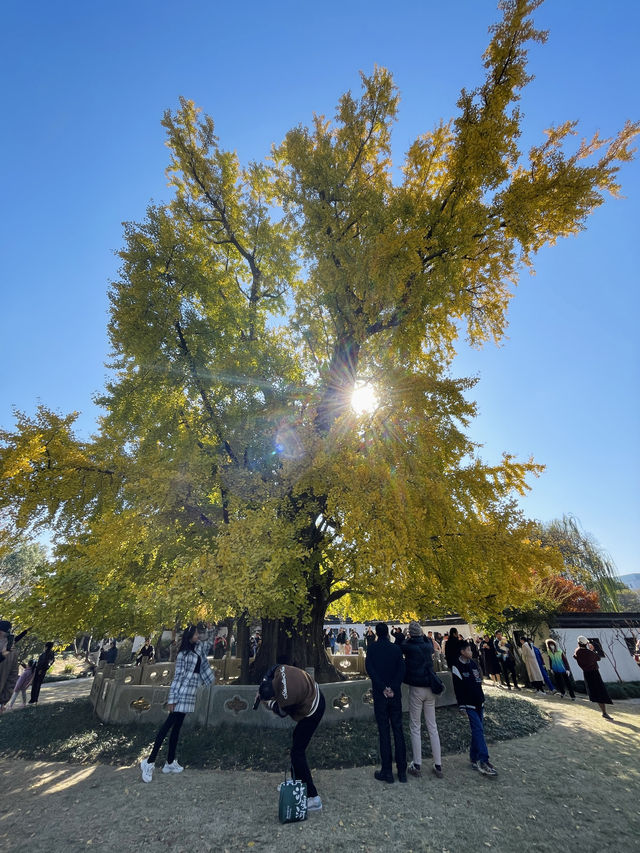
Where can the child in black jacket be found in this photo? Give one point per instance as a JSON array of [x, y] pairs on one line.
[[467, 683]]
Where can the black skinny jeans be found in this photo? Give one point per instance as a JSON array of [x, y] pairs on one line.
[[388, 713], [301, 736], [174, 722]]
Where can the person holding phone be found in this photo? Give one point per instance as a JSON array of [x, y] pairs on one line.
[[587, 657], [192, 671]]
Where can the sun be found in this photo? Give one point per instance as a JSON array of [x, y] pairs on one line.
[[364, 399]]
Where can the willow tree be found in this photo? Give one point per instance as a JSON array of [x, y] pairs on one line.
[[240, 480], [584, 562]]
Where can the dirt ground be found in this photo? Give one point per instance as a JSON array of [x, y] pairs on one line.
[[572, 787]]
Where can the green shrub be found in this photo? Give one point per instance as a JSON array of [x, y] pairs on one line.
[[617, 689]]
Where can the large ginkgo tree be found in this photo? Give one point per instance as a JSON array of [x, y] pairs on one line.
[[231, 475]]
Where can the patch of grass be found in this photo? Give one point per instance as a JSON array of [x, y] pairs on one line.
[[71, 732]]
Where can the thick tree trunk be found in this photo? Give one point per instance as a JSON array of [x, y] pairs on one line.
[[242, 648], [267, 653], [296, 642], [340, 381]]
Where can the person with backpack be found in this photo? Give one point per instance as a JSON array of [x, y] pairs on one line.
[[192, 671], [418, 656]]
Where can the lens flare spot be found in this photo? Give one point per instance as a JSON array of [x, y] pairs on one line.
[[364, 399]]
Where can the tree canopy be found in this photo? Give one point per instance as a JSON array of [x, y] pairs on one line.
[[229, 474]]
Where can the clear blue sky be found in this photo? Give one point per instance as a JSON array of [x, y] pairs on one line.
[[84, 86]]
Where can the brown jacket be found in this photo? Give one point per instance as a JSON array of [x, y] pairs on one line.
[[8, 675], [296, 692]]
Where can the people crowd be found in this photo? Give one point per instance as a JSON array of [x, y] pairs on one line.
[[394, 656]]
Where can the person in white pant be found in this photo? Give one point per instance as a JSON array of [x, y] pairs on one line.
[[22, 683], [418, 653]]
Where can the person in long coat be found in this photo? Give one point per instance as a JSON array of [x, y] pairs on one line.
[[44, 663], [588, 657], [543, 670], [8, 663], [531, 662], [192, 670], [490, 662]]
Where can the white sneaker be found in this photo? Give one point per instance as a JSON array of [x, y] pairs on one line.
[[147, 770], [174, 767], [314, 804]]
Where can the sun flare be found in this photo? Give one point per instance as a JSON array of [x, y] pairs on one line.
[[364, 399]]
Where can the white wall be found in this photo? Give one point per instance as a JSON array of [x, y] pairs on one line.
[[613, 645], [464, 630]]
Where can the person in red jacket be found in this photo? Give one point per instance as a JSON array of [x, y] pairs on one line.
[[292, 692], [588, 656]]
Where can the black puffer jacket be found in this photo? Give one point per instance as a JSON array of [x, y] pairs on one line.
[[418, 655]]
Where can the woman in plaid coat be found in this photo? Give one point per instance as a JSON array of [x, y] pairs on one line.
[[192, 670]]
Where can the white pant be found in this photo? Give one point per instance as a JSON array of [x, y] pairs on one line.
[[422, 699], [15, 696]]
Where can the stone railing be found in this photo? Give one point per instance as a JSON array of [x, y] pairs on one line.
[[131, 694]]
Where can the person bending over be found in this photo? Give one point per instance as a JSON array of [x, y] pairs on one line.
[[292, 692]]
